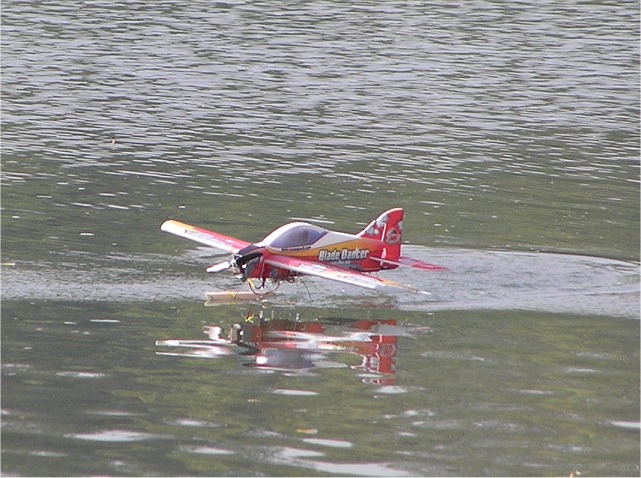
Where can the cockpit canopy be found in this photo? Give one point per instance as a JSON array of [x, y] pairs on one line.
[[294, 235]]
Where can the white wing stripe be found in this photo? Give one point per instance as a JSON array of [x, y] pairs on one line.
[[189, 232]]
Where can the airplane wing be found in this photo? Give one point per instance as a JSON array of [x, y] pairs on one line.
[[204, 236], [340, 274], [411, 262]]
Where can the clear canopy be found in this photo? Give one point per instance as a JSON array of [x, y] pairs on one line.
[[298, 236]]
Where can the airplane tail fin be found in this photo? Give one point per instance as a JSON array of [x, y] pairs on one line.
[[388, 227]]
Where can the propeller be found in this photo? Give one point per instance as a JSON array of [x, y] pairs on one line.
[[221, 266], [237, 260]]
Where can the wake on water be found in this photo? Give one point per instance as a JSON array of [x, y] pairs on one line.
[[475, 280]]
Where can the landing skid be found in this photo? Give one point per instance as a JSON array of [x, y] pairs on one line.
[[231, 297], [256, 294]]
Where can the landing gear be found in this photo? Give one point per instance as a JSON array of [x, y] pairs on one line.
[[262, 290]]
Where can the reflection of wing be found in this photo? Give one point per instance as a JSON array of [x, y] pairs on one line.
[[204, 236], [335, 273], [415, 263]]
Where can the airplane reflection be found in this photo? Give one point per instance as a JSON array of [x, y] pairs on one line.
[[295, 345]]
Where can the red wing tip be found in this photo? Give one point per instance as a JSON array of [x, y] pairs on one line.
[[398, 287]]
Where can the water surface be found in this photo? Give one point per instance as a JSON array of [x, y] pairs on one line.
[[508, 132], [86, 391]]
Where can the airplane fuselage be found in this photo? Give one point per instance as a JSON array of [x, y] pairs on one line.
[[351, 252]]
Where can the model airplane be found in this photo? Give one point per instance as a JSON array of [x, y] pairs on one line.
[[299, 248]]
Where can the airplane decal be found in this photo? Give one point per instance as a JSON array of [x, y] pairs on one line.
[[342, 255]]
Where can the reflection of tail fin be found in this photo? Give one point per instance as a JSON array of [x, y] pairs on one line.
[[388, 227]]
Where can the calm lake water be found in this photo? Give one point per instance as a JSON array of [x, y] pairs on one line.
[[508, 131]]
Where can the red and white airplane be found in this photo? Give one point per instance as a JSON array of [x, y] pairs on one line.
[[299, 248]]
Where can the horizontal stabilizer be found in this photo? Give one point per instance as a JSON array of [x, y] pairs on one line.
[[411, 262]]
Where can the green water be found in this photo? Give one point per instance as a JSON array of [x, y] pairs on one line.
[[509, 133]]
